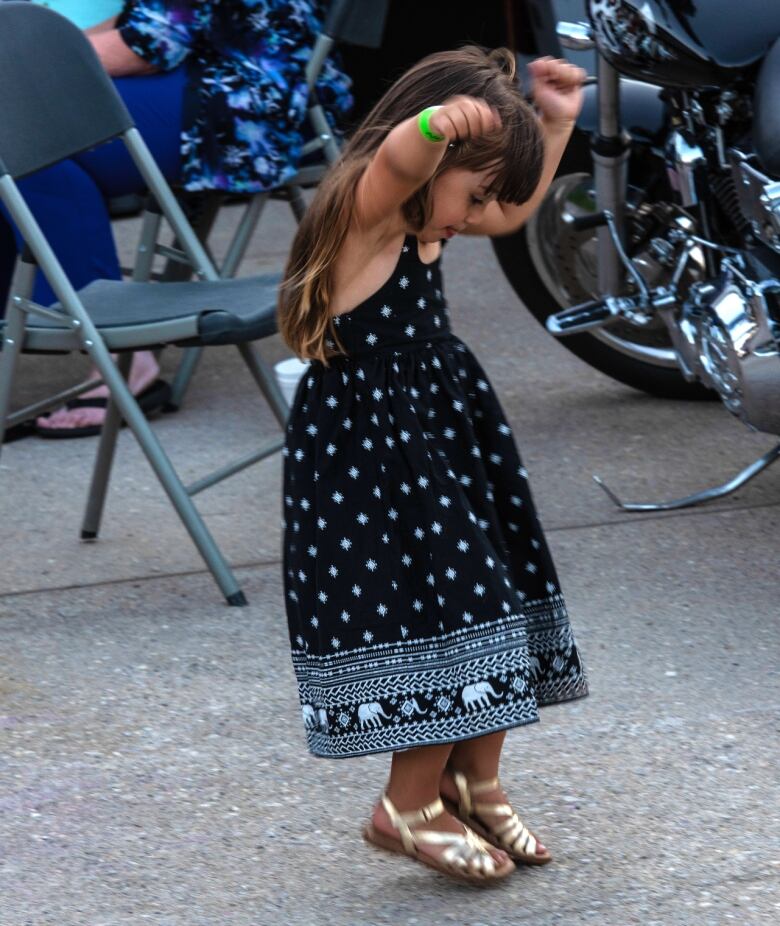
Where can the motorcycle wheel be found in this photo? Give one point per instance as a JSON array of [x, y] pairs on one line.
[[552, 267]]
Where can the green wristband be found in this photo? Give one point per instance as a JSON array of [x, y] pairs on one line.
[[423, 124]]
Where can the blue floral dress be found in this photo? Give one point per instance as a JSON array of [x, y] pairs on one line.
[[247, 94], [422, 601]]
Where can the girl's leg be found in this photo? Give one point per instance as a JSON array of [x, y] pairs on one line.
[[415, 778], [479, 760]]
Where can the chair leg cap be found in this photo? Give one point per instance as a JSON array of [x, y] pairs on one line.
[[89, 535], [237, 600]]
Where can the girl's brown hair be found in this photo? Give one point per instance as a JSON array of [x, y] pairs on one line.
[[516, 152]]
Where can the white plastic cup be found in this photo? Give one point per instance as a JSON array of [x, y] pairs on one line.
[[288, 375]]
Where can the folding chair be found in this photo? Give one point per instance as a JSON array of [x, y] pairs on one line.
[[49, 113]]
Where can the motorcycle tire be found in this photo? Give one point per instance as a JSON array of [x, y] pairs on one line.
[[516, 260]]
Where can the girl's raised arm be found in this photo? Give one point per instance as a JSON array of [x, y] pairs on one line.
[[410, 154]]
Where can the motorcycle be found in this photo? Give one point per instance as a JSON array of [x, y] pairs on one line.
[[656, 252]]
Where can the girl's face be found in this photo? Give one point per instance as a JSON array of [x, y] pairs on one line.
[[459, 199]]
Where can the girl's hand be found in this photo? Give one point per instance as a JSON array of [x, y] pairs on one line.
[[557, 89], [463, 117]]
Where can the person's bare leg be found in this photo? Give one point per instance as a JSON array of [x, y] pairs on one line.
[[478, 759], [415, 776], [143, 372]]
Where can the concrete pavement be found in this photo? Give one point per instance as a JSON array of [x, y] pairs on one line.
[[152, 763]]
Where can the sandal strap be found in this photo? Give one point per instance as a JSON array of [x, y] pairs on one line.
[[463, 850], [512, 833], [402, 821]]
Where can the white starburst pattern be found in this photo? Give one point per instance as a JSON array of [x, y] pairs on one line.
[[445, 501], [299, 455], [430, 579], [531, 567], [535, 544], [385, 538], [386, 311], [331, 401], [337, 497], [448, 433], [315, 622], [523, 472], [312, 551], [285, 451], [403, 282], [468, 617], [362, 518], [353, 471], [405, 435], [434, 388], [374, 416], [421, 303], [311, 429], [404, 631], [415, 394], [465, 480], [495, 458], [335, 642], [419, 533], [515, 528], [322, 523], [333, 571], [436, 527], [371, 564], [360, 373], [305, 504], [368, 636], [347, 423], [330, 449], [301, 575], [367, 443], [457, 405], [483, 524], [405, 488], [345, 616], [371, 338], [490, 562], [463, 546], [437, 321], [377, 492], [344, 377], [475, 451], [550, 588], [376, 392], [506, 606], [409, 330], [381, 609], [504, 429], [357, 591], [479, 589], [299, 640], [392, 514], [516, 501], [346, 543], [417, 604], [394, 585], [422, 482], [450, 572], [323, 597], [406, 559], [481, 384]]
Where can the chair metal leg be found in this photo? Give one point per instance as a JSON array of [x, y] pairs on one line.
[[184, 373], [169, 479], [13, 337], [267, 383], [105, 457]]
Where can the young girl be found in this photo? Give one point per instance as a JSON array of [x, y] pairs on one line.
[[425, 613]]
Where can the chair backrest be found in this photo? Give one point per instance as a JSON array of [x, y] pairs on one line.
[[357, 22], [55, 96]]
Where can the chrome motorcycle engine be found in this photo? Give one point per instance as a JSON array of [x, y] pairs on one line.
[[727, 337]]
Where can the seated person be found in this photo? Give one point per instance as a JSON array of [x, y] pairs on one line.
[[217, 89]]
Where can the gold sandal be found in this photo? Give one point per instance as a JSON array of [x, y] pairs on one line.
[[510, 834], [466, 856]]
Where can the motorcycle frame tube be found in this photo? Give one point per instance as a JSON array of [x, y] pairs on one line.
[[610, 152]]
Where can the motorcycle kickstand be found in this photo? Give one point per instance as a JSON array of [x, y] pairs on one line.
[[698, 498]]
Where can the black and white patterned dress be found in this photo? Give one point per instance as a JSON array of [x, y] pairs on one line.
[[422, 601]]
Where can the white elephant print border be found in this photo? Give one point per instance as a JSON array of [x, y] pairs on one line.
[[406, 694]]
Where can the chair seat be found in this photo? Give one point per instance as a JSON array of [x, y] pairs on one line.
[[136, 315]]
